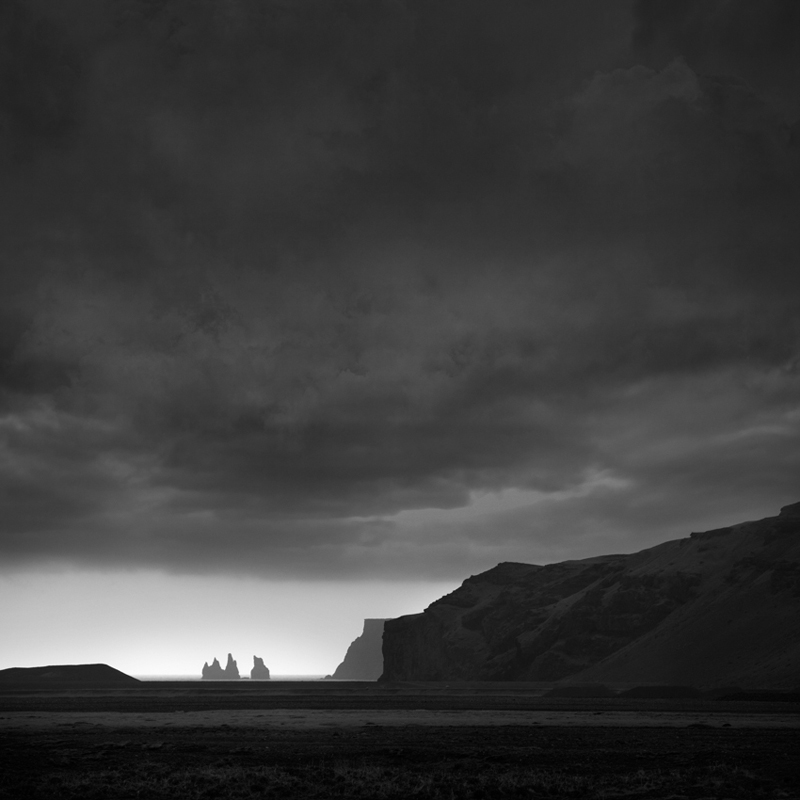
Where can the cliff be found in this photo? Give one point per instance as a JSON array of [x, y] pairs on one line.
[[717, 608], [259, 671], [215, 671], [363, 660]]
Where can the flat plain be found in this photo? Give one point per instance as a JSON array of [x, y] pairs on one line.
[[366, 740]]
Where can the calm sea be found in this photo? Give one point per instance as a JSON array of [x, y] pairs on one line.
[[245, 678]]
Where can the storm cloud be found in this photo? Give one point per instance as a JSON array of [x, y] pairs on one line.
[[394, 288]]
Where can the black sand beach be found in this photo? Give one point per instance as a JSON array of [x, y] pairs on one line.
[[287, 740]]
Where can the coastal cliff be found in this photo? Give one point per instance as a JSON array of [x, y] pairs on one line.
[[363, 660], [717, 608]]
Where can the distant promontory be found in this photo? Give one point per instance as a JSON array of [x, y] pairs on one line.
[[87, 675], [363, 660]]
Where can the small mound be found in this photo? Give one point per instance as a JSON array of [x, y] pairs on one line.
[[586, 690], [80, 674], [661, 692]]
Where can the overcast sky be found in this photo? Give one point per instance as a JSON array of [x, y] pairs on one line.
[[305, 291]]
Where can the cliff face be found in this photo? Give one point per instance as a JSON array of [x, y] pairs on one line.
[[718, 608], [364, 658]]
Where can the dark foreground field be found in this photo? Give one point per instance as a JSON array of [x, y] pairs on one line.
[[363, 741]]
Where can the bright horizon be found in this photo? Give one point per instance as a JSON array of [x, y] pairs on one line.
[[155, 624]]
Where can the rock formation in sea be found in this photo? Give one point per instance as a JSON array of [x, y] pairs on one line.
[[231, 670], [363, 660], [216, 672], [213, 672], [259, 671], [718, 608]]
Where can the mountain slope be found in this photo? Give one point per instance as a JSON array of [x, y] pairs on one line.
[[718, 608]]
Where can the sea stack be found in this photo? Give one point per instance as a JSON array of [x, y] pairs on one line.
[[231, 670], [213, 672], [259, 671], [216, 673]]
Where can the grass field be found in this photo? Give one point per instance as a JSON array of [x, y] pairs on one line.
[[402, 741]]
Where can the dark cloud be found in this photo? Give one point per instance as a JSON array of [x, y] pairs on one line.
[[394, 287], [758, 44]]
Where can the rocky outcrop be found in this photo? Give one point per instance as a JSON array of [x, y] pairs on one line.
[[363, 660], [215, 671], [67, 675], [717, 608], [259, 671], [231, 670]]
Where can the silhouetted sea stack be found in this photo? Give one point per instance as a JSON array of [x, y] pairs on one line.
[[231, 670], [85, 675], [363, 660], [212, 672], [215, 671], [259, 671], [719, 608]]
